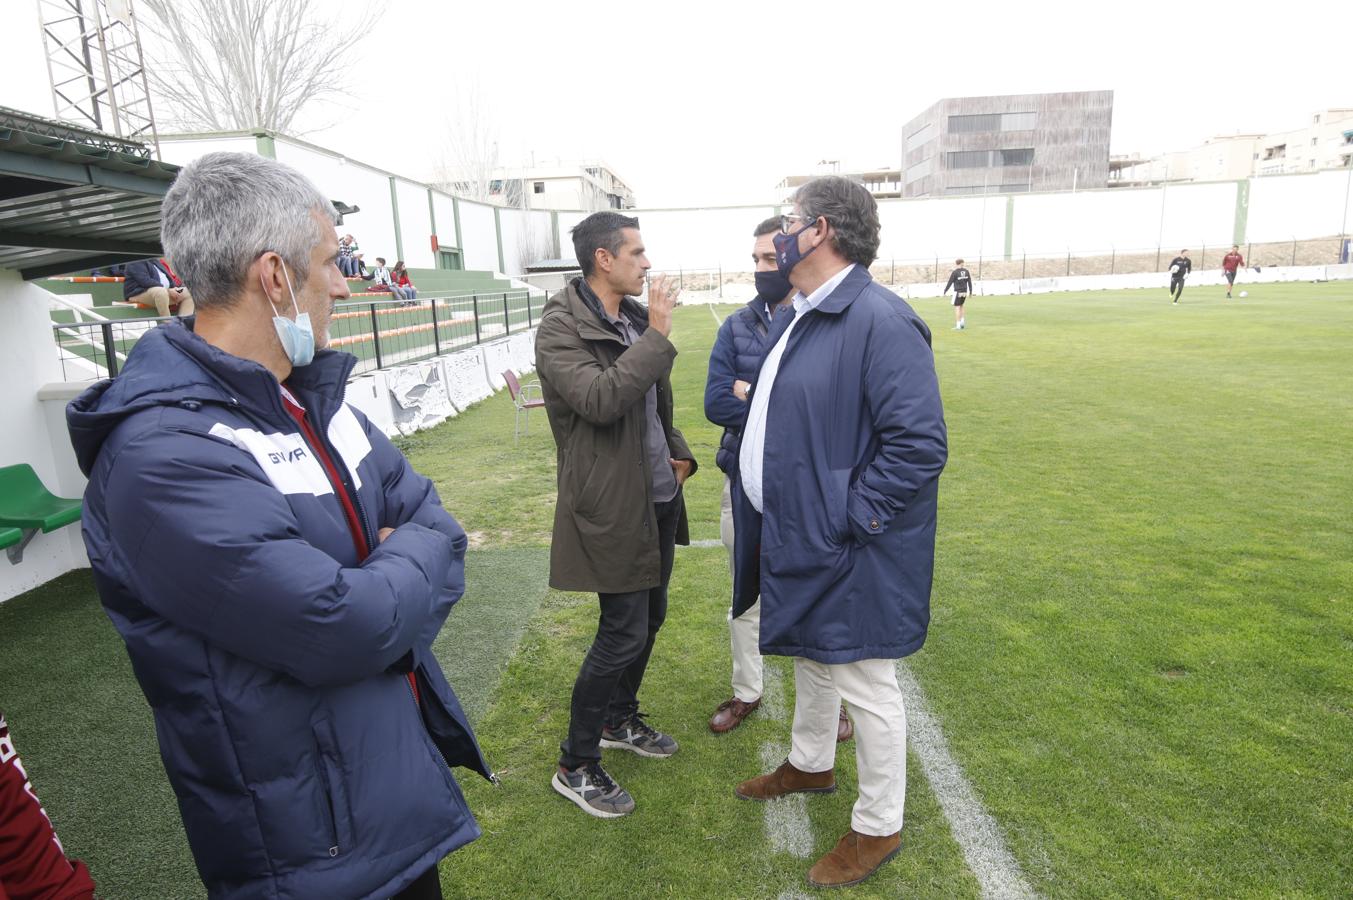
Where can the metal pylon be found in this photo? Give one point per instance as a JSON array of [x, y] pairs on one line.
[[96, 68]]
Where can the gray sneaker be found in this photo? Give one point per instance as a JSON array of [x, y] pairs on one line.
[[594, 791], [637, 736]]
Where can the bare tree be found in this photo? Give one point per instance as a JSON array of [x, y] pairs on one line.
[[224, 65], [468, 158]]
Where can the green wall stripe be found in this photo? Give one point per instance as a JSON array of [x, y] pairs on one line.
[[394, 204], [498, 231], [1242, 212], [1009, 226]]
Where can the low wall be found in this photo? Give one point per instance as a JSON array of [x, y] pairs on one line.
[[738, 291]]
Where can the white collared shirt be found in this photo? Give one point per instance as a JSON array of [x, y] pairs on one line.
[[754, 432]]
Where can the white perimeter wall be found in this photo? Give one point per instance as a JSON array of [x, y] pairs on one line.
[[479, 236], [1092, 222], [526, 238], [1293, 207], [34, 434], [925, 229], [415, 225], [339, 178]]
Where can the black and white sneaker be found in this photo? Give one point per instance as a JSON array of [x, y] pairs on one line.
[[595, 792], [637, 736]]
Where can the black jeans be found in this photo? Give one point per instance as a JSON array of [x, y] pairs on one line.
[[426, 887], [607, 689]]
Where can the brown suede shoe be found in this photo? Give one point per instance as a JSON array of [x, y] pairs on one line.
[[854, 858], [844, 729], [730, 714], [787, 780]]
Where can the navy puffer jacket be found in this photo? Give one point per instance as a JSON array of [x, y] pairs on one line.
[[275, 661], [737, 353]]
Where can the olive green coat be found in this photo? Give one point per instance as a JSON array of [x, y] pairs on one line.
[[605, 533]]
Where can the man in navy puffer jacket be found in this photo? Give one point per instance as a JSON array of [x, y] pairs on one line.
[[733, 364], [276, 568]]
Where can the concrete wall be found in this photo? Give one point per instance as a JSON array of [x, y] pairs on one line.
[[444, 208], [1293, 207], [479, 236], [34, 431], [415, 224], [1081, 223], [356, 185]]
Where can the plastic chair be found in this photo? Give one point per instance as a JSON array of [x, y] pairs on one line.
[[523, 401], [27, 505]]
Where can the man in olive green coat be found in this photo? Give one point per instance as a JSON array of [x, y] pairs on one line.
[[604, 365]]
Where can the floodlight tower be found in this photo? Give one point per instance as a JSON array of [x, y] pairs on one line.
[[96, 69]]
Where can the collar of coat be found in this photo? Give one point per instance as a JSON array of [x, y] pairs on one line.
[[597, 327], [850, 288]]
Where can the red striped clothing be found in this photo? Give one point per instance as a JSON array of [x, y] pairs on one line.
[[33, 865]]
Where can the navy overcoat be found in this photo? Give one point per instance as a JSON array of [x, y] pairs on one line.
[[855, 442]]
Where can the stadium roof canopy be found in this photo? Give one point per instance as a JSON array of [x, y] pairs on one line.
[[72, 199]]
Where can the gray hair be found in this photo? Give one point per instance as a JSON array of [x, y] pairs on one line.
[[225, 210], [851, 210]]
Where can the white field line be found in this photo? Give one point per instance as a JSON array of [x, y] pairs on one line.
[[717, 320], [707, 543], [787, 824], [978, 835]]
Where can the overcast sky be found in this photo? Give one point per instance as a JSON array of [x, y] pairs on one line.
[[713, 102]]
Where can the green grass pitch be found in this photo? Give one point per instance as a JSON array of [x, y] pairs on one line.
[[1141, 650]]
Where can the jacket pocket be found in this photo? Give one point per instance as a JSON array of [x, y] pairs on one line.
[[838, 505], [330, 773]]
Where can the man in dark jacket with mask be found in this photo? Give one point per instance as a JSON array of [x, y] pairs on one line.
[[604, 365], [738, 349], [276, 568], [835, 504]]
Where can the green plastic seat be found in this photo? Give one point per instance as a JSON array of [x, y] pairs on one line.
[[26, 504], [10, 536]]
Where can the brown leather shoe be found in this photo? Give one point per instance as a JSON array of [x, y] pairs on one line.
[[787, 780], [844, 729], [730, 714], [854, 858]]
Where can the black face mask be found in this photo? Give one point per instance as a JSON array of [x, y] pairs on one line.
[[772, 286]]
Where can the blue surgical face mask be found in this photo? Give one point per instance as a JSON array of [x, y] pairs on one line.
[[296, 335], [787, 254], [772, 286]]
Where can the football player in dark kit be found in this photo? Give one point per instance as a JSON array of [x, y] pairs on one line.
[[1180, 267], [961, 281]]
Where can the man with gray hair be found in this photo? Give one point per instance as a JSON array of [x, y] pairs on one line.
[[834, 512], [276, 568]]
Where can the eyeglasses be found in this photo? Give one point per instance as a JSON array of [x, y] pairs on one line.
[[787, 221]]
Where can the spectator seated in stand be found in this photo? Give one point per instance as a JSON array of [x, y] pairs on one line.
[[347, 256], [149, 283], [382, 281], [359, 267], [401, 285]]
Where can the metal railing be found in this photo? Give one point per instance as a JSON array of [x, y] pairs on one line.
[[380, 333]]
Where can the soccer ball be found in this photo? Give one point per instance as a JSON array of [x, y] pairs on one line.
[[1174, 270], [1244, 293]]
